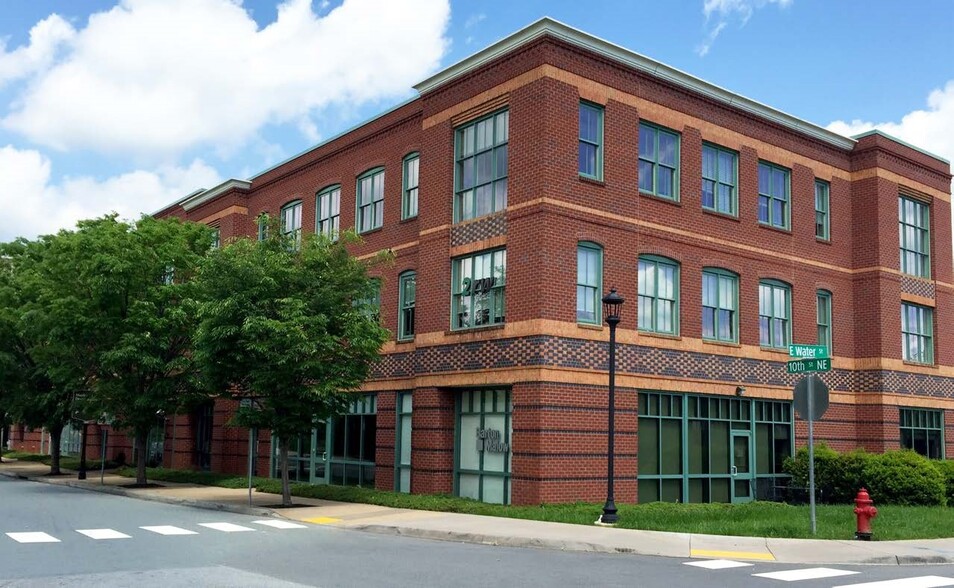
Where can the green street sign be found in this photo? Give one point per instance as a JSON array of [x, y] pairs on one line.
[[808, 351], [800, 366]]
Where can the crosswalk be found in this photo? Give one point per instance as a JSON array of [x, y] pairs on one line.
[[168, 530], [842, 577]]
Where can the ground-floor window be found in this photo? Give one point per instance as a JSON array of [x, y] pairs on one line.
[[711, 449], [484, 431], [402, 443], [923, 431], [71, 439]]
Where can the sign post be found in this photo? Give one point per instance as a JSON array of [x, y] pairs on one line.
[[811, 401]]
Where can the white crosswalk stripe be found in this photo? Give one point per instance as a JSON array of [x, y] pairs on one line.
[[805, 574], [226, 527], [280, 524], [916, 582], [32, 537], [716, 564], [169, 530], [103, 534]]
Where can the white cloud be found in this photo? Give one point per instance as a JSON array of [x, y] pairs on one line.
[[931, 128], [46, 38], [152, 78], [33, 204], [719, 13]]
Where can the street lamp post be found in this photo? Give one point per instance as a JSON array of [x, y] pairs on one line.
[[612, 305], [82, 466]]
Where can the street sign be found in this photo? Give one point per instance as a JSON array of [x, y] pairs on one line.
[[800, 366], [808, 351], [814, 387]]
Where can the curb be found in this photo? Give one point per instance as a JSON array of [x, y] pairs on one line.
[[495, 540]]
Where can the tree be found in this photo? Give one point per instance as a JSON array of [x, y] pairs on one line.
[[282, 321]]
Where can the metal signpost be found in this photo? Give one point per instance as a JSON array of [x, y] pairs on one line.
[[811, 400]]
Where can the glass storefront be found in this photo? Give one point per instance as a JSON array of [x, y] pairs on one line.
[[484, 431], [402, 443], [711, 449]]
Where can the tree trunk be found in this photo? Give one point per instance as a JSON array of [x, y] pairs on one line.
[[142, 437], [56, 434], [283, 457]]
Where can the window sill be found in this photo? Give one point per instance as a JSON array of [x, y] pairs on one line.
[[409, 219], [777, 350], [932, 366], [651, 196], [823, 241], [722, 343], [372, 231], [776, 229], [724, 215], [404, 341], [497, 327], [590, 326], [592, 180], [660, 335]]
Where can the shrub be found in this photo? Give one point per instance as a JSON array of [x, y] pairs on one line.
[[904, 477], [946, 467]]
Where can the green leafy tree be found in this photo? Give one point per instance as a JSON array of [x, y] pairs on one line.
[[281, 320]]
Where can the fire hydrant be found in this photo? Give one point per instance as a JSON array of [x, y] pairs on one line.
[[865, 512]]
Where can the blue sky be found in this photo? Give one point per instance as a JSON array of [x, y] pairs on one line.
[[127, 105]]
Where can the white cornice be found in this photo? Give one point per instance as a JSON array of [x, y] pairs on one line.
[[202, 196], [548, 27]]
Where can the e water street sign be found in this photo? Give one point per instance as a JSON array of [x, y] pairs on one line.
[[801, 366], [808, 351]]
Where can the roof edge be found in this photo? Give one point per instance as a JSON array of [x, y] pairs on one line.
[[548, 26], [899, 141], [200, 197]]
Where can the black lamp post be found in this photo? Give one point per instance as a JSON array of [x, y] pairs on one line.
[[612, 305], [81, 475]]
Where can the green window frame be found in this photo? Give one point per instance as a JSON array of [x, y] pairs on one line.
[[922, 431], [328, 212], [591, 141], [485, 476], [479, 282], [720, 305], [412, 167], [589, 283], [658, 161], [262, 226], [914, 225], [370, 305], [480, 170], [291, 222], [774, 191], [216, 237], [353, 447], [822, 205], [370, 200], [403, 435], [917, 333], [823, 318], [720, 178], [775, 311], [407, 287], [658, 288]]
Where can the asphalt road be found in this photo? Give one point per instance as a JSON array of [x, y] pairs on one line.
[[312, 555]]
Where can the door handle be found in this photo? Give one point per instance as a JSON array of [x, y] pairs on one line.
[[735, 471], [324, 456]]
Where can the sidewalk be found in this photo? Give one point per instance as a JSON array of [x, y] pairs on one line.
[[510, 532]]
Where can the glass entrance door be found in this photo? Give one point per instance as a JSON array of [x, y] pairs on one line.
[[741, 466]]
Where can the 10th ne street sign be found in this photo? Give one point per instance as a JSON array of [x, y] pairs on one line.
[[801, 366]]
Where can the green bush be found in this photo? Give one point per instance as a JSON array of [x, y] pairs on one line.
[[946, 467], [894, 477]]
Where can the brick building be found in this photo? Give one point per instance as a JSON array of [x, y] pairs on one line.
[[525, 181]]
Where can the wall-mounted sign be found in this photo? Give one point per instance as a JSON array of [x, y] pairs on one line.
[[491, 440]]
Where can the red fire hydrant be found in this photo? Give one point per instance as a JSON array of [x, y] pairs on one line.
[[865, 512]]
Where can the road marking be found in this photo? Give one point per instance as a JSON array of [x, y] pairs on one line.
[[716, 564], [805, 574], [32, 538], [918, 582], [226, 527], [279, 524], [762, 555], [103, 534], [323, 520], [169, 530]]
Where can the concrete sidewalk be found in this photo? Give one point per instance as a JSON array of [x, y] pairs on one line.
[[510, 532]]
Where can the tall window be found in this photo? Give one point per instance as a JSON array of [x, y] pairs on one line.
[[914, 225], [922, 430], [658, 161], [370, 200], [481, 174], [658, 288], [775, 308], [823, 309], [822, 230], [402, 457], [263, 226], [408, 293], [917, 333], [478, 289], [409, 200], [773, 195], [291, 221], [589, 276], [329, 212], [720, 302], [719, 179], [591, 141], [370, 305], [216, 238]]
